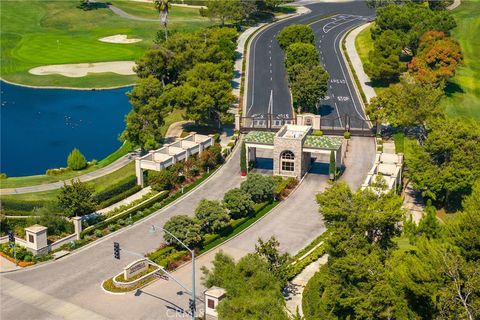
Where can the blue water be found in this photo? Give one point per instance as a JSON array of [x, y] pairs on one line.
[[39, 127]]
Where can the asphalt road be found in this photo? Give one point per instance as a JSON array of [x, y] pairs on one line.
[[267, 90]]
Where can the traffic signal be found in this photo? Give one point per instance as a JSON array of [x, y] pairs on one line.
[[191, 304], [116, 250], [11, 236]]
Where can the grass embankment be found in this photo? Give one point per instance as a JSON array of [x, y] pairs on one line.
[[36, 33], [98, 185], [364, 44], [463, 92]]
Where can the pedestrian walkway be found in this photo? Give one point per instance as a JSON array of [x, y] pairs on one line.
[[363, 79], [7, 265], [126, 201], [297, 285], [120, 163]]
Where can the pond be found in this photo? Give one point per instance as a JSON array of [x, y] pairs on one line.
[[40, 127]]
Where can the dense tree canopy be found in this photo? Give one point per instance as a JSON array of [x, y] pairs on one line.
[[238, 202], [437, 58], [75, 199], [185, 229], [447, 165], [145, 120], [212, 216], [253, 292], [308, 86], [301, 53], [383, 61], [407, 104], [295, 33], [428, 278], [259, 187]]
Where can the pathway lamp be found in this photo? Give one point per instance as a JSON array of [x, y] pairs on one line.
[[192, 302]]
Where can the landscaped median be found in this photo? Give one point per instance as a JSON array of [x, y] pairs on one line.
[[214, 223], [124, 283]]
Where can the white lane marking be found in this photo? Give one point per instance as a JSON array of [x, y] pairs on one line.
[[338, 113], [344, 76], [270, 70], [337, 25]]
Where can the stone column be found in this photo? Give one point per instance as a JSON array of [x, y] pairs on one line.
[[237, 122], [139, 172], [77, 223]]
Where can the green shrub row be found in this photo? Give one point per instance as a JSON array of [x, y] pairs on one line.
[[126, 214], [21, 205], [298, 267], [116, 189], [119, 197]]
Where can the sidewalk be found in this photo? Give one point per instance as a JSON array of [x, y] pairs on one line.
[[114, 166], [7, 265], [297, 285], [352, 53]]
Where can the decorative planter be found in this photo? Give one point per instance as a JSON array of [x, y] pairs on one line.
[[244, 173]]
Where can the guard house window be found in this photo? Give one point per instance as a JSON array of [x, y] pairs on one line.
[[288, 161], [211, 304], [30, 238]]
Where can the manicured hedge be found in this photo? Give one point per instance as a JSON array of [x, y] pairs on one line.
[[126, 214], [21, 205], [119, 197], [116, 189]]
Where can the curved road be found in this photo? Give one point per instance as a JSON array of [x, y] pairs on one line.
[[267, 90]]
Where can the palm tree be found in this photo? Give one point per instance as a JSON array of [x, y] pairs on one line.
[[162, 8]]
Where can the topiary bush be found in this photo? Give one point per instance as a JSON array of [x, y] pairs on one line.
[[346, 135], [76, 160]]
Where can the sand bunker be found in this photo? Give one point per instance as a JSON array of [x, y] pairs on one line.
[[119, 38], [82, 69]]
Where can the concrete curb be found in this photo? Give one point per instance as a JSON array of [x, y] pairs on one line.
[[135, 224]]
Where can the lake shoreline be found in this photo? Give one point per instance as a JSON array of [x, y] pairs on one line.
[[65, 88]]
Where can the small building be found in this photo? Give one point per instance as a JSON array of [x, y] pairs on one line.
[[213, 296], [36, 239], [293, 146], [172, 153], [386, 172]]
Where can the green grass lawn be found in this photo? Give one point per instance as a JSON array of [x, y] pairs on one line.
[[36, 33], [463, 94], [364, 44], [98, 185]]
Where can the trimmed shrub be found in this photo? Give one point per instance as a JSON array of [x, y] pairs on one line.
[[185, 229], [331, 167], [318, 133], [259, 187], [295, 33], [116, 189], [98, 233], [238, 202], [243, 159], [56, 172], [212, 216], [76, 160], [346, 135]]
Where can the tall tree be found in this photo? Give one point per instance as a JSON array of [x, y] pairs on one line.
[[144, 122], [301, 53], [212, 216], [295, 33], [447, 165], [437, 58], [308, 86], [253, 292], [383, 61], [162, 7], [75, 199], [407, 104], [277, 262]]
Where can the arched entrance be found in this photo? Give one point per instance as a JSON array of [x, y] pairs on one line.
[[287, 162]]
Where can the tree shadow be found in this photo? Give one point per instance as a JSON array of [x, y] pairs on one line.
[[86, 6], [451, 88], [325, 110]]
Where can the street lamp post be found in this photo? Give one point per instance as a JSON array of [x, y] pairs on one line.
[[192, 304]]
